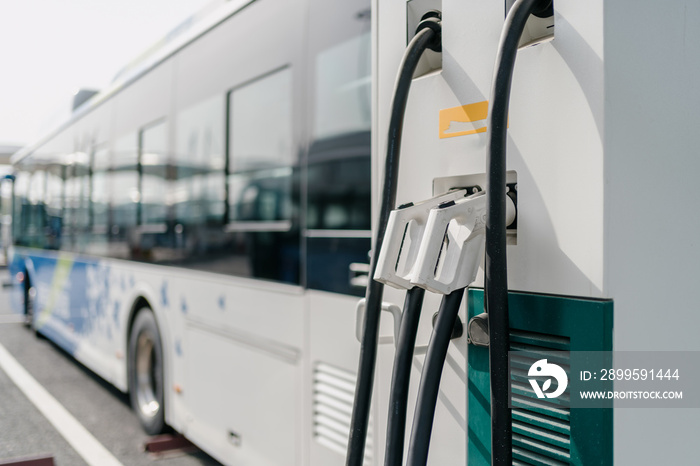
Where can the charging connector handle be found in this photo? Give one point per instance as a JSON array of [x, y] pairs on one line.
[[496, 272], [403, 239], [452, 248], [370, 334]]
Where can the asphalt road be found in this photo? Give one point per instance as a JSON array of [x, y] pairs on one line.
[[100, 408]]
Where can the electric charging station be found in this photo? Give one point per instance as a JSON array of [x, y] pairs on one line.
[[601, 167]]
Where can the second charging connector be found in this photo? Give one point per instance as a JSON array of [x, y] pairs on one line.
[[452, 248]]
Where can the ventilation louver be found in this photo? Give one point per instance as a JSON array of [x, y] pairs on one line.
[[334, 392]]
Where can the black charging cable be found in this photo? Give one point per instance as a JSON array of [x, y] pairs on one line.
[[427, 37], [401, 376], [496, 282], [430, 378], [496, 270]]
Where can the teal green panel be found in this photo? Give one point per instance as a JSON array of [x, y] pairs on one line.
[[563, 324]]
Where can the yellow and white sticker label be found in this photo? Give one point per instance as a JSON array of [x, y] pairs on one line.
[[463, 120]]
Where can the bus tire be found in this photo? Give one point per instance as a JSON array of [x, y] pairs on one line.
[[145, 369]]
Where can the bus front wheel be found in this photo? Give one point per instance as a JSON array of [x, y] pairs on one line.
[[145, 367]]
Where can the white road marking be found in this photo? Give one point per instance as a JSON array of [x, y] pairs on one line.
[[87, 446]]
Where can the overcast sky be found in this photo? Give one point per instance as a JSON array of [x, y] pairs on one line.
[[51, 48]]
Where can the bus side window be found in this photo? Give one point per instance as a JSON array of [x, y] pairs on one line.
[[124, 195], [99, 201], [20, 205], [263, 190], [199, 185], [36, 220], [75, 209], [70, 194], [261, 153], [154, 174], [54, 206], [29, 212], [339, 167], [82, 216]]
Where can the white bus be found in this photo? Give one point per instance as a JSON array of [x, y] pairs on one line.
[[196, 234]]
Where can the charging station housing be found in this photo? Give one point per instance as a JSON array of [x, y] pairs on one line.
[[601, 150]]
